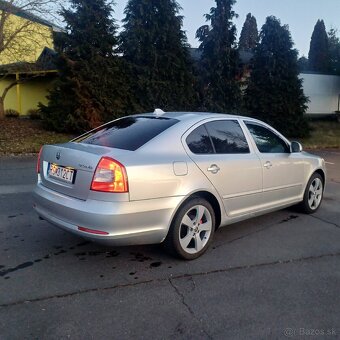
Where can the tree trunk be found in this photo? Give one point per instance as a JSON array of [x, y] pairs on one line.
[[2, 109], [2, 99]]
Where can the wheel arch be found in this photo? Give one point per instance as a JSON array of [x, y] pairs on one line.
[[209, 197], [322, 174], [305, 205]]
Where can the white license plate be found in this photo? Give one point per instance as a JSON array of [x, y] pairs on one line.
[[60, 172]]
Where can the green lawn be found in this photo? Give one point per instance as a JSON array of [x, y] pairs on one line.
[[324, 135]]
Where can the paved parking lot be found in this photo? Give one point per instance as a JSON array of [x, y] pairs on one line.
[[270, 277]]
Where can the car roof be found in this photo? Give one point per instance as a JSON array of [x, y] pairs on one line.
[[189, 118], [183, 116]]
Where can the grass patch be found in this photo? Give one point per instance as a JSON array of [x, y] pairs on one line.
[[324, 135], [23, 136]]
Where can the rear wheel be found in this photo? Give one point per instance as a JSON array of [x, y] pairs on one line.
[[313, 194], [192, 229]]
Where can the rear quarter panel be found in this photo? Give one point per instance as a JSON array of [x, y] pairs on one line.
[[152, 176]]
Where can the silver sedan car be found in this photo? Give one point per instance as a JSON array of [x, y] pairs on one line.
[[173, 177]]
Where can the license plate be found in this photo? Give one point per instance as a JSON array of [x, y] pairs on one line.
[[61, 172]]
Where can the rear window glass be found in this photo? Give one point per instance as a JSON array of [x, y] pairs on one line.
[[129, 133]]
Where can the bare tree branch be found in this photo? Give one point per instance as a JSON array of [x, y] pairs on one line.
[[24, 32], [7, 88]]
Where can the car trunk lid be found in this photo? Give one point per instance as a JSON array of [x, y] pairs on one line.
[[69, 168]]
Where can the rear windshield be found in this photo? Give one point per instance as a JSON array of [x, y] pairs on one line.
[[129, 133]]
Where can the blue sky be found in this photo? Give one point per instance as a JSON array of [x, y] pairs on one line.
[[300, 15]]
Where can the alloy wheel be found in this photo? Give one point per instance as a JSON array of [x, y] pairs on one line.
[[315, 193], [195, 229]]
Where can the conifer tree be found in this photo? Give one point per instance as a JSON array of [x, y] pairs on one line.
[[303, 64], [275, 92], [319, 58], [90, 87], [155, 46], [249, 34], [219, 64], [334, 51]]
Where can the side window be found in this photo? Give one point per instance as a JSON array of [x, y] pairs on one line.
[[266, 140], [227, 137], [199, 141]]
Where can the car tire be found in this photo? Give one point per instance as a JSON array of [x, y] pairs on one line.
[[191, 230], [313, 195]]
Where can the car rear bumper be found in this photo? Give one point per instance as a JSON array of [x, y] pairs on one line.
[[127, 223]]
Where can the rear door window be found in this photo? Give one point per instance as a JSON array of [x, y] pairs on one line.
[[227, 137], [129, 133], [199, 141]]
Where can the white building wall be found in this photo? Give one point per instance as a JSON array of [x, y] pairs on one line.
[[323, 92]]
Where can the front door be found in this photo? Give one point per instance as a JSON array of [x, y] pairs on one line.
[[283, 171]]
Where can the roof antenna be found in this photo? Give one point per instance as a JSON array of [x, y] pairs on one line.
[[158, 112]]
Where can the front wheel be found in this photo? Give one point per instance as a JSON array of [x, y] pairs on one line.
[[192, 229], [313, 194]]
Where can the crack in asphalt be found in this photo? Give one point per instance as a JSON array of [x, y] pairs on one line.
[[325, 221], [133, 284], [187, 306]]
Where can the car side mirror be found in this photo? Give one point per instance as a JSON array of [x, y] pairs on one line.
[[295, 147]]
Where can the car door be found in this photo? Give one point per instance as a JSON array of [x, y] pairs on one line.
[[221, 150], [283, 171]]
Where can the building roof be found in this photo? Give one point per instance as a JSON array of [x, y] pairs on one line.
[[47, 59], [195, 53], [245, 55], [45, 63], [10, 8]]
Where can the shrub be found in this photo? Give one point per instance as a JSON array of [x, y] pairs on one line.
[[11, 113], [34, 114]]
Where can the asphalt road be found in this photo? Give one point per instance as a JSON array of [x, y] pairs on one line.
[[275, 276]]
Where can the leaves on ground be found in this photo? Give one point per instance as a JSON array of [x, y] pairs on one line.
[[23, 136]]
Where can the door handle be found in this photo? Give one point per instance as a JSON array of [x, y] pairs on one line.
[[214, 169], [268, 165]]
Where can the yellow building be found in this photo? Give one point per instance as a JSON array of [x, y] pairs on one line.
[[27, 57]]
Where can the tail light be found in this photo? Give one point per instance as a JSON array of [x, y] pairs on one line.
[[110, 176], [38, 161]]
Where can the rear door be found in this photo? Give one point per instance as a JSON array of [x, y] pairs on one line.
[[283, 171], [222, 152]]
